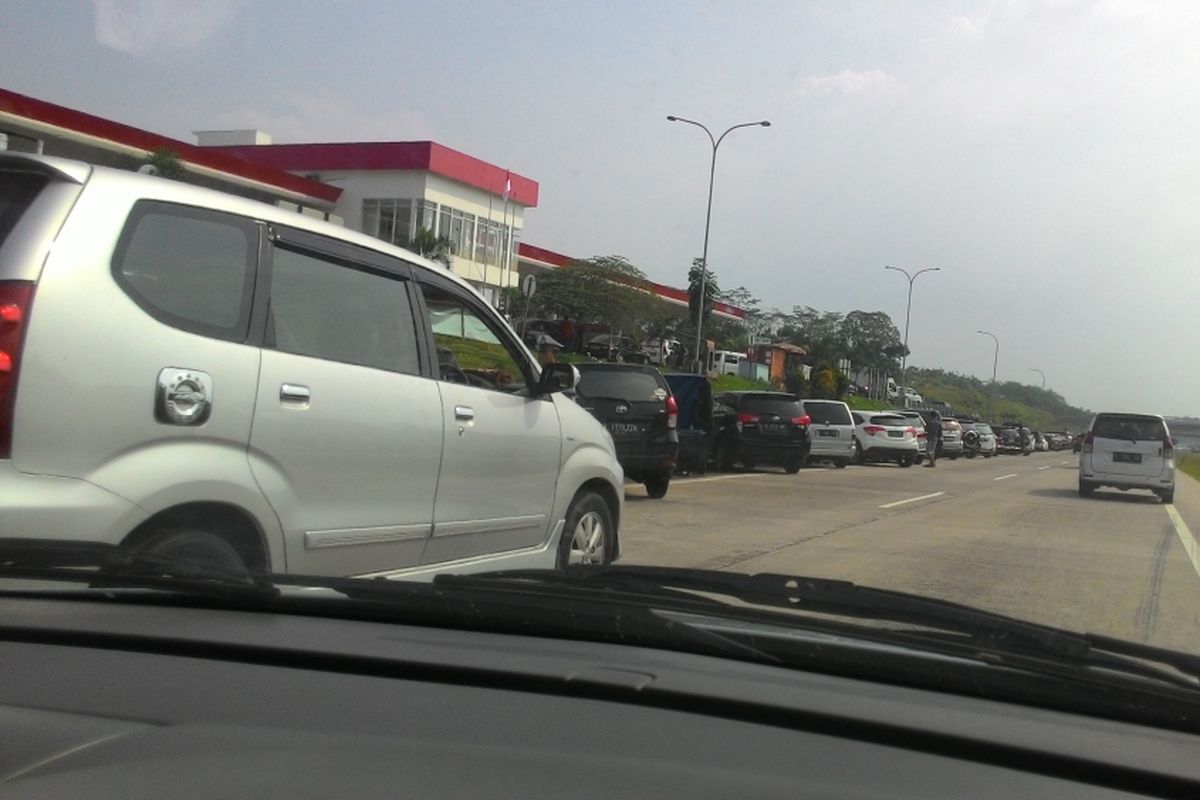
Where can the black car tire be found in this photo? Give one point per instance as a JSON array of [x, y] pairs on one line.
[[792, 466], [205, 550], [586, 503], [1167, 495], [859, 456], [904, 461], [841, 463], [726, 456], [970, 454], [1086, 488], [657, 485]]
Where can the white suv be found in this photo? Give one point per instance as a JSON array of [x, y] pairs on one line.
[[1128, 451], [188, 372]]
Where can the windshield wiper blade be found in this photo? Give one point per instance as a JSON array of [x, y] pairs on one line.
[[995, 632], [109, 566]]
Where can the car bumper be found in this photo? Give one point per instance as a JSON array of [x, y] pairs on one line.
[[1118, 480], [773, 453], [835, 448], [888, 452], [46, 506], [950, 448], [642, 462]]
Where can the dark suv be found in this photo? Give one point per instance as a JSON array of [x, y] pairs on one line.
[[761, 427], [636, 405]]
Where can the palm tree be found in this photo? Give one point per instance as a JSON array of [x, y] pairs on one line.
[[435, 248]]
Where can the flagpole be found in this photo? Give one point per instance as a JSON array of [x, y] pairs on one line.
[[506, 237]]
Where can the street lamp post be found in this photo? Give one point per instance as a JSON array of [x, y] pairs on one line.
[[907, 317], [712, 171], [995, 361], [1039, 372]]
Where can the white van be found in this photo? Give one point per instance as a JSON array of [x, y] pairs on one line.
[[187, 372], [726, 362], [831, 431]]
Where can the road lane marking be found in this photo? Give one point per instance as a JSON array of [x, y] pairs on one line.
[[1048, 466], [1185, 537], [689, 481], [1064, 462], [912, 500], [1005, 477]]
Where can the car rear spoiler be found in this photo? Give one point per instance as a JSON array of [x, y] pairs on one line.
[[61, 169]]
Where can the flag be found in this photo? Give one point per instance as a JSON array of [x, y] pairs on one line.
[[507, 186]]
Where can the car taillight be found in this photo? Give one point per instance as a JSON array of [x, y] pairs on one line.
[[871, 430], [802, 421], [910, 431], [1087, 442], [921, 434], [672, 412], [1168, 447], [15, 299], [747, 419]]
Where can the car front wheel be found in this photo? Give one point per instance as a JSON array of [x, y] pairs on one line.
[[1086, 488], [587, 536], [657, 485]]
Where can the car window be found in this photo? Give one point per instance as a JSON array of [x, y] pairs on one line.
[[629, 384], [1129, 427], [17, 191], [335, 311], [468, 348], [191, 268], [827, 413], [771, 404], [890, 419]]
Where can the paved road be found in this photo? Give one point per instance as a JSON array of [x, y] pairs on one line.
[[1009, 534]]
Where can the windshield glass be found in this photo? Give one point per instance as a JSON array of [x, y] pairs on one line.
[[406, 293]]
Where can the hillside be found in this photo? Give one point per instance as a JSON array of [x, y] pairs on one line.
[[1040, 409]]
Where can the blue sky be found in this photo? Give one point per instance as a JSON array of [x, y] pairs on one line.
[[1043, 154]]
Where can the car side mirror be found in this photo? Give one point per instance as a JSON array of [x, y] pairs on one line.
[[558, 377]]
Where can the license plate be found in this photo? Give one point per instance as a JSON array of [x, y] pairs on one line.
[[773, 428], [827, 433], [624, 428], [896, 434], [1127, 458]]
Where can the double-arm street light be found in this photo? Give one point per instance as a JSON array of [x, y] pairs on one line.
[[907, 317], [712, 171], [1039, 372], [995, 361]]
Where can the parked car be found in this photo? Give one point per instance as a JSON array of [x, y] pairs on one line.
[[1014, 438], [533, 329], [1077, 442], [884, 436], [727, 362], [1128, 451], [912, 397], [274, 395], [917, 420], [636, 406], [694, 400], [1040, 443], [660, 351], [950, 443], [832, 431], [761, 428], [607, 347], [979, 439]]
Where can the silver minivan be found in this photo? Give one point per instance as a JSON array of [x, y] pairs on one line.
[[831, 431], [1128, 451], [190, 373]]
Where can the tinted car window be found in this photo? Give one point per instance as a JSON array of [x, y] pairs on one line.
[[1129, 427], [827, 413], [890, 419], [17, 191], [628, 384], [771, 404], [329, 310], [190, 268]]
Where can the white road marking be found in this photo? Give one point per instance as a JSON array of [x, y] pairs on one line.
[[1048, 466], [912, 500], [689, 481], [1064, 462], [1185, 537], [1005, 477]]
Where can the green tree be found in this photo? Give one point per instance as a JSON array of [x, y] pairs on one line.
[[603, 289], [711, 290], [435, 248], [871, 340]]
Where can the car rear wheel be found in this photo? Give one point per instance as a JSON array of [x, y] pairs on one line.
[[205, 550], [657, 485], [859, 458], [970, 454], [905, 461], [587, 536], [1086, 488], [1167, 495], [791, 466], [841, 463], [726, 456]]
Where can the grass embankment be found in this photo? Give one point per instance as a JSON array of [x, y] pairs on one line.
[[866, 404], [967, 401], [1188, 463]]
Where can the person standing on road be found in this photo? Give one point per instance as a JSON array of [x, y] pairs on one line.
[[933, 436]]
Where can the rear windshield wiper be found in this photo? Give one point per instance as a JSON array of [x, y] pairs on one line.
[[995, 633]]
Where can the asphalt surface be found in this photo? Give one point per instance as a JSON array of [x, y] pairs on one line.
[[1009, 534]]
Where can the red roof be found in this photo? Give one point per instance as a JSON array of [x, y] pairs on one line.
[[532, 253], [349, 156], [79, 122]]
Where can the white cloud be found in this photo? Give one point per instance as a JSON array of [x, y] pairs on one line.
[[293, 116], [848, 82], [139, 27]]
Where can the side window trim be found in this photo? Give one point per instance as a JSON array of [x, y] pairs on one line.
[[483, 312], [276, 237]]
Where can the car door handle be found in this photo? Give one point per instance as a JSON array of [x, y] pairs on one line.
[[464, 413], [294, 393]]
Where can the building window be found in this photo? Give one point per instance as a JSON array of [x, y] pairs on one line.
[[389, 220]]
